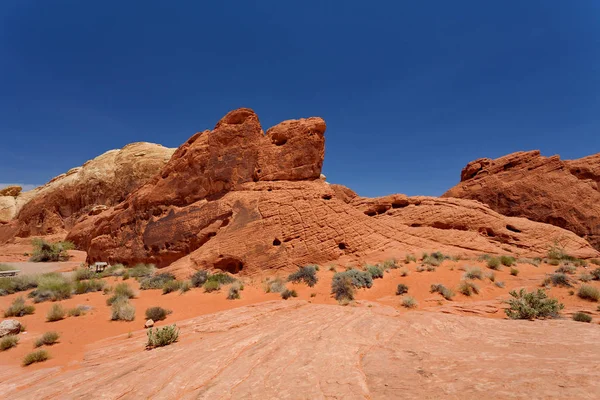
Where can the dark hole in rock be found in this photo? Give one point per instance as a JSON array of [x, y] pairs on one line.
[[415, 225], [229, 264], [326, 197], [279, 141], [276, 242], [342, 246], [512, 229], [399, 205], [370, 213]]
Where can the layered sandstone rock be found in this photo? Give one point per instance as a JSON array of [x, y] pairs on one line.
[[242, 201], [545, 189], [101, 182]]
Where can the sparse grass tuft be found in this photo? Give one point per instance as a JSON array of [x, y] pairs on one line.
[[392, 263], [122, 310], [199, 278], [141, 271], [234, 291], [401, 289], [468, 288], [275, 286], [434, 259], [473, 273], [507, 261], [121, 291], [83, 273], [162, 336], [47, 339], [52, 287], [77, 311], [35, 357], [185, 286], [492, 277], [582, 317], [566, 269], [359, 279], [410, 258], [409, 302], [211, 286], [557, 279], [55, 313], [446, 293], [156, 281], [514, 271], [18, 308], [596, 274], [499, 284], [93, 285], [307, 274], [171, 286], [532, 305], [157, 313], [16, 284], [375, 271], [493, 263], [404, 272], [342, 288], [286, 294], [589, 292], [8, 342]]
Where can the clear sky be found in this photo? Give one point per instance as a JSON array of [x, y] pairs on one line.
[[410, 90]]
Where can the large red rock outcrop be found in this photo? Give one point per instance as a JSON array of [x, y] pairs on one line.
[[102, 182], [239, 200], [544, 189]]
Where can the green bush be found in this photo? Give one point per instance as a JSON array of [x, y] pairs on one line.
[[401, 289], [8, 342], [35, 357], [409, 302], [55, 313], [199, 278], [514, 271], [18, 308], [473, 273], [507, 261], [121, 291], [588, 292], [45, 252], [157, 313], [157, 281], [558, 279], [359, 279], [446, 293], [77, 311], [493, 263], [93, 285], [434, 259], [532, 305], [211, 286], [52, 287], [122, 310], [185, 286], [582, 317], [221, 277], [16, 284], [162, 336], [392, 263], [468, 288], [286, 294], [307, 274], [410, 258], [47, 339], [234, 291], [342, 287], [114, 270], [375, 271], [83, 273], [141, 271], [171, 286]]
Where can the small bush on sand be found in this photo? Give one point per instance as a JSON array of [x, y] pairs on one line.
[[199, 278], [171, 286], [16, 284], [157, 313], [185, 286], [473, 273], [276, 285], [446, 293], [93, 285], [18, 308], [122, 310], [492, 277], [557, 279], [164, 336], [375, 271], [8, 342], [359, 279], [114, 270], [286, 294], [404, 272], [307, 274], [342, 288], [234, 291], [410, 258], [409, 302], [494, 263], [582, 317], [55, 313], [121, 291], [566, 269], [434, 259], [35, 357], [468, 288], [141, 271], [401, 289], [78, 311], [588, 292], [45, 252], [532, 305], [156, 281], [47, 339], [211, 286], [52, 287], [83, 273], [596, 274], [391, 263], [514, 271], [221, 277], [507, 261]]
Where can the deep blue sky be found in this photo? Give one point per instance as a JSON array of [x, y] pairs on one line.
[[411, 90]]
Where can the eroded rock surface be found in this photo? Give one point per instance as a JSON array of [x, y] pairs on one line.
[[544, 189]]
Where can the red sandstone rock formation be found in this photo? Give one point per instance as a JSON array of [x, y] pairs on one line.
[[242, 201], [544, 189]]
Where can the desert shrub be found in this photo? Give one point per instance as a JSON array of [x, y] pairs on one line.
[[420, 268], [410, 258], [494, 263], [553, 262], [566, 269], [45, 252], [404, 272], [492, 277], [18, 308], [595, 261], [126, 275], [434, 259], [275, 286], [409, 302], [588, 292], [532, 305], [199, 278], [234, 291], [514, 271], [157, 313], [374, 271], [52, 286], [507, 261], [185, 286], [557, 279], [211, 286], [499, 284], [122, 310], [55, 313], [8, 342], [401, 289], [141, 270], [77, 311], [83, 273], [171, 286], [342, 288], [582, 317], [16, 284], [307, 274], [446, 293], [162, 336], [114, 270], [571, 292], [596, 274], [156, 281], [473, 273], [286, 294], [93, 285], [585, 277], [430, 268], [47, 339], [35, 357], [468, 288], [221, 277], [391, 263], [358, 278], [121, 291]]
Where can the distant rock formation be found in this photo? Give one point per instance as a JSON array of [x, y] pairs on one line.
[[240, 200], [544, 189]]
